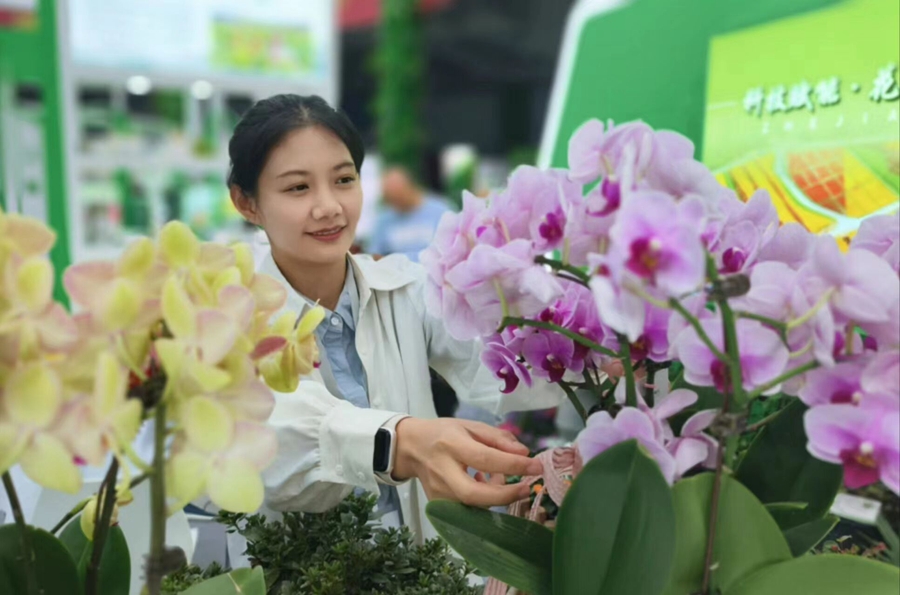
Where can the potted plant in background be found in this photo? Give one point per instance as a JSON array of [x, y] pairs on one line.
[[697, 306], [176, 331]]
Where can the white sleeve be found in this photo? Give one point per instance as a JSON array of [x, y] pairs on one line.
[[459, 363], [325, 449]]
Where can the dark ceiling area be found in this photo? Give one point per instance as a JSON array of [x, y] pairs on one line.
[[489, 69]]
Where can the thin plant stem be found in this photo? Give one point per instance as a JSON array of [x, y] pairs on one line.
[[776, 324], [763, 422], [713, 519], [784, 377], [726, 443], [549, 326], [560, 266], [694, 322], [31, 585], [69, 516], [572, 279], [650, 383], [625, 356], [107, 503], [157, 504], [576, 403]]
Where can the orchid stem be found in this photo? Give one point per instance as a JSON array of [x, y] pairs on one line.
[[69, 516], [650, 384], [576, 403], [157, 504], [556, 265], [762, 423], [548, 326], [107, 503], [781, 327], [625, 356], [694, 322], [784, 377], [713, 518], [726, 443], [31, 585]]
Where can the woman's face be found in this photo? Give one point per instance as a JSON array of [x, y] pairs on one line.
[[308, 198]]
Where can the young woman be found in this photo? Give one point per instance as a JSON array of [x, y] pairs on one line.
[[365, 418]]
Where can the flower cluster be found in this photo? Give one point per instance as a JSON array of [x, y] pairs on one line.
[[658, 262], [650, 427], [176, 325]]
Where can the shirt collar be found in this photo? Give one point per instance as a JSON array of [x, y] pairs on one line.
[[366, 276]]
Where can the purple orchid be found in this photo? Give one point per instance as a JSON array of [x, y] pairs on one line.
[[882, 376], [603, 432], [551, 355], [864, 440], [621, 310], [533, 206], [694, 447], [653, 343], [886, 334], [478, 287], [881, 236], [862, 287], [763, 356], [792, 245], [587, 231], [452, 244], [776, 293], [838, 384], [746, 230], [655, 239], [505, 366], [585, 152]]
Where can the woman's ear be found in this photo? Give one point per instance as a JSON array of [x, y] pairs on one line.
[[245, 205]]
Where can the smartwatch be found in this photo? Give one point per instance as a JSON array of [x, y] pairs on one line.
[[386, 451]]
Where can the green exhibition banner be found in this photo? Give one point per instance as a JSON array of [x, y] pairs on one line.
[[807, 108]]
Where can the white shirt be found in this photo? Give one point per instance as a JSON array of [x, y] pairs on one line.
[[326, 445]]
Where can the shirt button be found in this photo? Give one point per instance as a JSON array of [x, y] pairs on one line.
[[361, 476], [335, 321], [339, 470]]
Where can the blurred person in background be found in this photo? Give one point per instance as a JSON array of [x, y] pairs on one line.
[[410, 218]]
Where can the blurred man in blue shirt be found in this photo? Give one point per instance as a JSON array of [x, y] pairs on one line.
[[410, 218]]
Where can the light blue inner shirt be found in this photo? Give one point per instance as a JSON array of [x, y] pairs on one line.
[[343, 371]]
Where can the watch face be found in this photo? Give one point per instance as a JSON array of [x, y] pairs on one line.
[[382, 456]]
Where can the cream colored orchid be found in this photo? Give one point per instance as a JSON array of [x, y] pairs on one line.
[[282, 371], [31, 401], [219, 458], [30, 321], [89, 515], [23, 236], [202, 339], [106, 420]]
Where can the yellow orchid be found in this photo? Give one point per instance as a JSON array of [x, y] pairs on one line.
[[282, 370], [89, 515], [105, 420], [221, 459], [32, 401], [203, 337], [23, 236], [30, 321]]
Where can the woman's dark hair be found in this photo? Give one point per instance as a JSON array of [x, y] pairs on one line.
[[266, 124]]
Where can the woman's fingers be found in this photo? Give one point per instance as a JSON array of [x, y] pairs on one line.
[[485, 458], [484, 495], [496, 437]]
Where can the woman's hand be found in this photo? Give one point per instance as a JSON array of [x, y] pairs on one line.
[[439, 453]]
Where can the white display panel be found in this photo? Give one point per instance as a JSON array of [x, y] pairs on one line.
[[274, 39]]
